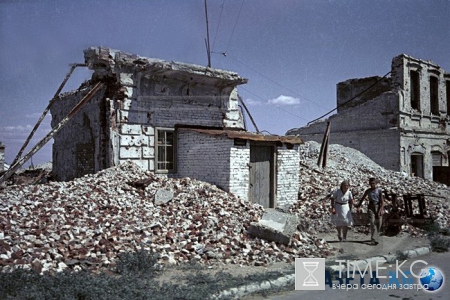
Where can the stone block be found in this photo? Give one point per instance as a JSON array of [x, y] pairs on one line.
[[163, 196], [130, 152], [130, 129], [275, 226]]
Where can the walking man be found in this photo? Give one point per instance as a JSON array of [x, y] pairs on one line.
[[375, 209]]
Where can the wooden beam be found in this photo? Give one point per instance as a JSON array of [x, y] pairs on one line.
[[19, 154], [58, 127]]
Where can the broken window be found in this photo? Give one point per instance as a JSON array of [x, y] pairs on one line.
[[165, 150], [417, 164], [434, 95], [415, 89]]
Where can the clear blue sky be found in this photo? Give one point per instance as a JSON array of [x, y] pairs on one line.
[[293, 52]]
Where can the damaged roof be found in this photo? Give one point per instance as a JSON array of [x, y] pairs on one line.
[[246, 135], [105, 60]]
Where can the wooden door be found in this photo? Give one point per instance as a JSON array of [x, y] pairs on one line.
[[261, 175]]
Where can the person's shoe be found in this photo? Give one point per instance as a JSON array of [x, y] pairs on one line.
[[373, 243], [344, 240], [340, 238]]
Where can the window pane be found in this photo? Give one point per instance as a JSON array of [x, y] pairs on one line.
[[166, 155]]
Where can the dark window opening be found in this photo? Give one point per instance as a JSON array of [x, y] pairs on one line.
[[240, 142], [434, 95], [417, 165], [165, 150], [415, 89]]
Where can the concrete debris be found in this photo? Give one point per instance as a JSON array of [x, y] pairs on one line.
[[346, 163], [88, 222], [275, 226]]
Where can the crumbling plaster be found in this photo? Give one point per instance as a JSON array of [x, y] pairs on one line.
[[386, 127], [142, 94], [197, 105]]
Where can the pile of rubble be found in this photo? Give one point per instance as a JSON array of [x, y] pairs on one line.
[[86, 223], [345, 163]]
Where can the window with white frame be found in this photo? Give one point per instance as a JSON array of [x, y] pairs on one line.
[[165, 150]]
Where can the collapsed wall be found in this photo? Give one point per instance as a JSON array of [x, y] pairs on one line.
[[345, 163]]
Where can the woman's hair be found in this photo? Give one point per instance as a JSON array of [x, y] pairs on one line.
[[345, 182]]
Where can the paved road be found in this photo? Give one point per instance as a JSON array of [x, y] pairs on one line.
[[439, 260]]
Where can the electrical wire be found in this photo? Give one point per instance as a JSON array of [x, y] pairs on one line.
[[351, 98], [273, 81], [242, 88], [229, 42], [218, 24]]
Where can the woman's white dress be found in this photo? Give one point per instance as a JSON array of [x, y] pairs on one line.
[[343, 215]]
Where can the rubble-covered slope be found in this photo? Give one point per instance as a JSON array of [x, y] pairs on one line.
[[88, 222], [346, 163]]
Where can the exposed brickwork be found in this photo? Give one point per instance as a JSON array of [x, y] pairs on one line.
[[390, 128], [120, 123], [217, 160], [144, 96], [82, 133], [287, 176]]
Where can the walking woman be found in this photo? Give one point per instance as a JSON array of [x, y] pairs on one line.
[[341, 202]]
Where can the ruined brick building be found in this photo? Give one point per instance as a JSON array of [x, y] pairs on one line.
[[402, 122], [175, 119]]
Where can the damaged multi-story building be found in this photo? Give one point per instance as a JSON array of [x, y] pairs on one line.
[[174, 119], [401, 122]]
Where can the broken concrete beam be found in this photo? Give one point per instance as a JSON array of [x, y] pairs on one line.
[[275, 226]]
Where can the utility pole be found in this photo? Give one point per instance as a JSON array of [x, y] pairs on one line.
[[208, 47]]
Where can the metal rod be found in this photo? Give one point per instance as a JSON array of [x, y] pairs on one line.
[[208, 48], [60, 125], [248, 112], [73, 66]]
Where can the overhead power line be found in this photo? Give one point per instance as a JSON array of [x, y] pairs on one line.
[[273, 81], [218, 24], [289, 112], [229, 42], [351, 98]]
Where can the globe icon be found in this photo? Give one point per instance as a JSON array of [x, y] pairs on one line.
[[431, 279]]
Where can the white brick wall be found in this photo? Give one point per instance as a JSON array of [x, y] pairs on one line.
[[204, 157], [288, 161], [215, 159], [239, 175]]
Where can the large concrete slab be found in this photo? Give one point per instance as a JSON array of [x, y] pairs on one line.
[[275, 226]]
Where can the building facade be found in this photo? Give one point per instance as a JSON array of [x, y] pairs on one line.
[[401, 122], [174, 119]]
